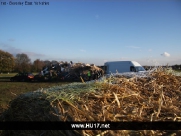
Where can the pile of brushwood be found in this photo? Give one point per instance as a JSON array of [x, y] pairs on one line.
[[155, 97], [69, 71]]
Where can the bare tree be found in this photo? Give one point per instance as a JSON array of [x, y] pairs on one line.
[[38, 65], [22, 63]]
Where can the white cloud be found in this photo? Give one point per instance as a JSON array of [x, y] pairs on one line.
[[82, 50], [13, 50], [9, 48], [165, 54], [134, 47], [150, 50]]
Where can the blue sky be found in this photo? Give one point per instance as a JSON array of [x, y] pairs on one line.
[[94, 31]]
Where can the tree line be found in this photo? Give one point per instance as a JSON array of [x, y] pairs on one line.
[[22, 63]]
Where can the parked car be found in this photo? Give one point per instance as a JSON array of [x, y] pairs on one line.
[[23, 77]]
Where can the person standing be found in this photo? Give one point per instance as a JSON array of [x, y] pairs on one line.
[[89, 74]]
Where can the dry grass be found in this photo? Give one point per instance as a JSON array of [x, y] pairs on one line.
[[155, 97]]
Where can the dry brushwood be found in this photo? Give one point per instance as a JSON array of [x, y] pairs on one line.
[[155, 97]]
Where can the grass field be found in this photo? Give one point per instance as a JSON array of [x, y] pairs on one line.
[[7, 75], [10, 74], [178, 70], [10, 90]]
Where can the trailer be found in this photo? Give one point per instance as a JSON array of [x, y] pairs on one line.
[[122, 66]]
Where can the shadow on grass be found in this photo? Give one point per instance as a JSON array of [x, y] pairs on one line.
[[7, 79]]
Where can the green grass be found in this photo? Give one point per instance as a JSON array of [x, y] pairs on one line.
[[178, 70], [7, 75], [10, 90], [10, 74]]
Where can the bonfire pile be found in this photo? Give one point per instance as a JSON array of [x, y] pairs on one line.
[[155, 97], [69, 71]]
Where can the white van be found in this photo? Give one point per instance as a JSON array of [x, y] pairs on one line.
[[122, 66]]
